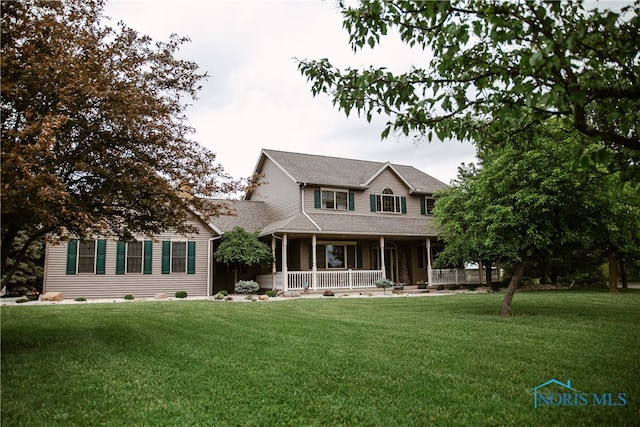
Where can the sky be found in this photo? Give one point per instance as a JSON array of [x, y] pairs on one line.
[[256, 98]]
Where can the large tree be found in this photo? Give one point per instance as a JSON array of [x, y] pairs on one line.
[[499, 66], [526, 204], [94, 133]]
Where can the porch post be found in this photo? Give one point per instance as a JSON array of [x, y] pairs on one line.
[[429, 272], [314, 264], [273, 263], [382, 266], [285, 272]]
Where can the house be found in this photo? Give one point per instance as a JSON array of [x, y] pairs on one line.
[[332, 223]]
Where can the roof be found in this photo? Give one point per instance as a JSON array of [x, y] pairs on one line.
[[330, 223], [250, 215], [346, 173]]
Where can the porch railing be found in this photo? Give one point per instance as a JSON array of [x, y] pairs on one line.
[[299, 280], [448, 277]]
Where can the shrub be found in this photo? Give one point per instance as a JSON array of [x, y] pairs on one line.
[[383, 283], [271, 293], [219, 296], [247, 287], [80, 299], [181, 294], [223, 293], [21, 300], [129, 297]]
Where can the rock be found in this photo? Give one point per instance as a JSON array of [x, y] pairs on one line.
[[328, 294], [290, 294], [161, 296], [263, 297], [229, 298], [52, 296]]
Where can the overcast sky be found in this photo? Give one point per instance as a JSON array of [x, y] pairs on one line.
[[255, 97]]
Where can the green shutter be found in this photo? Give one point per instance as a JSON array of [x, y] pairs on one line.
[[316, 199], [101, 256], [191, 257], [72, 256], [148, 257], [423, 206], [403, 204], [372, 202], [352, 203], [166, 257], [121, 248]]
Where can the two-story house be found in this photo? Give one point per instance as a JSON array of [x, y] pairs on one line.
[[333, 223]]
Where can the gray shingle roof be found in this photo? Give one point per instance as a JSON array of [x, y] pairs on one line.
[[350, 173], [250, 215]]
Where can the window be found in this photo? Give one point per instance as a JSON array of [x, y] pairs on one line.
[[334, 199], [86, 256], [430, 203], [178, 257], [388, 202], [337, 256], [134, 257]]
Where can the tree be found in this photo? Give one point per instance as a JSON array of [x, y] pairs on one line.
[[524, 203], [94, 135], [241, 247], [498, 66]]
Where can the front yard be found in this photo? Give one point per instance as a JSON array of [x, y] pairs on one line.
[[360, 361]]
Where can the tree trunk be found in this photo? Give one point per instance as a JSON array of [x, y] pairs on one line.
[[505, 310], [613, 272], [623, 273], [487, 266], [544, 259]]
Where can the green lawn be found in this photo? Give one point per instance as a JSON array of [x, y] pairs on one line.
[[333, 361]]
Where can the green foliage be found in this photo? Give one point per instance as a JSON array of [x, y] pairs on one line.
[[247, 287], [497, 68], [312, 353], [219, 296], [241, 247], [181, 294], [80, 299], [383, 283], [29, 270], [82, 101], [129, 297], [22, 300], [271, 293]]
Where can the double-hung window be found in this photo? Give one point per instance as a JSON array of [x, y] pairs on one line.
[[86, 256], [134, 257], [328, 198], [427, 205], [178, 257]]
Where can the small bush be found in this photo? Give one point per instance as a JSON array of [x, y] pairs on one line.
[[247, 287], [271, 293], [223, 293], [21, 300], [80, 299], [129, 297], [181, 294], [219, 296]]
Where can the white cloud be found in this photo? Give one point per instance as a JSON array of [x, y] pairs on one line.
[[255, 97]]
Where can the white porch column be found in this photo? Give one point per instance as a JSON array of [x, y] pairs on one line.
[[314, 264], [429, 272], [285, 272], [273, 263], [382, 266]]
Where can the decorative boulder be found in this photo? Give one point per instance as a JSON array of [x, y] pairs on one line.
[[264, 297], [161, 296], [328, 294], [52, 296]]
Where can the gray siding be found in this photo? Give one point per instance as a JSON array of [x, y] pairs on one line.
[[278, 191], [112, 285]]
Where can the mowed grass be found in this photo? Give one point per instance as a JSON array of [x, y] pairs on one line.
[[324, 362]]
